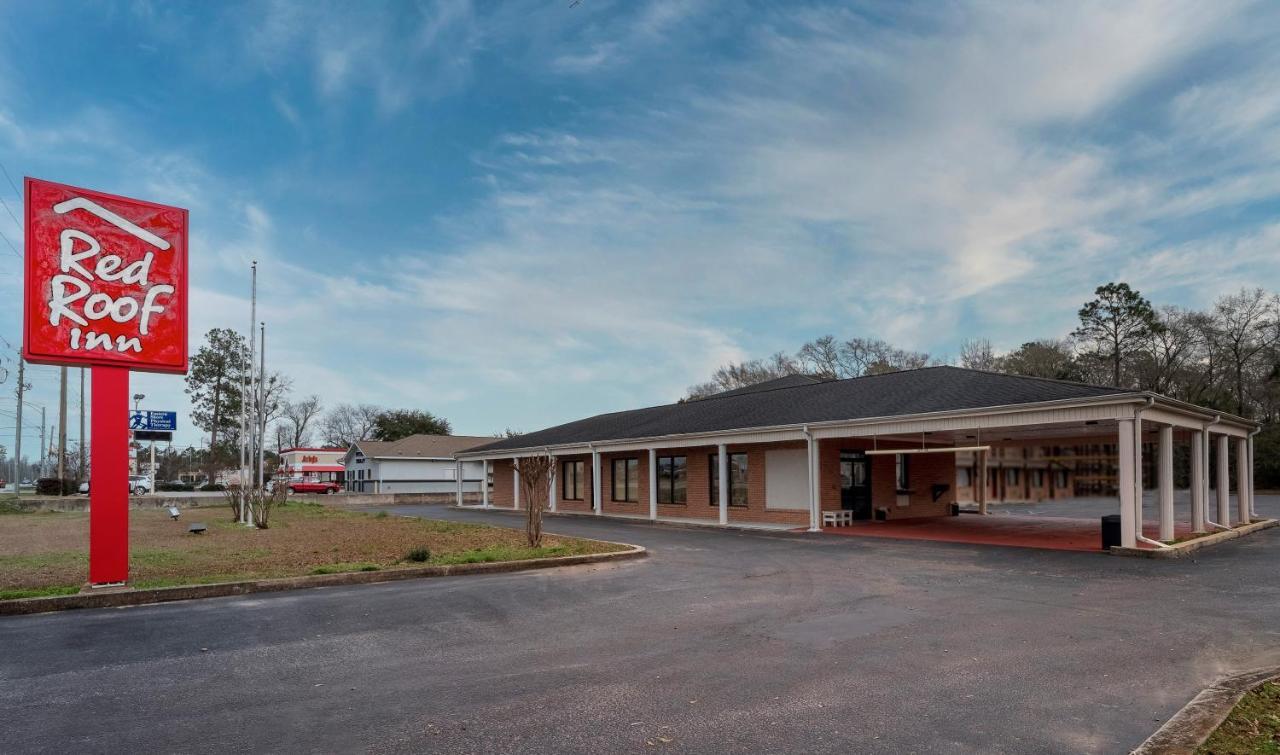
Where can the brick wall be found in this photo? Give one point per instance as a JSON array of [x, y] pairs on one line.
[[503, 493]]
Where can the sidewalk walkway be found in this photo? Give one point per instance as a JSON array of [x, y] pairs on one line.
[[676, 520]]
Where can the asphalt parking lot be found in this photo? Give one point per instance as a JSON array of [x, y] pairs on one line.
[[718, 642]]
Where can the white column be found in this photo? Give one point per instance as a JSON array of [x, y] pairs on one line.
[[1253, 510], [595, 482], [1224, 484], [1165, 478], [1137, 478], [1242, 479], [722, 458], [653, 484], [815, 501], [1197, 481], [1128, 528], [553, 497], [515, 485], [982, 487], [484, 483], [458, 482]]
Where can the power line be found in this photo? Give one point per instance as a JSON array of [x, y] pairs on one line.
[[16, 222], [6, 209], [12, 248], [11, 183]]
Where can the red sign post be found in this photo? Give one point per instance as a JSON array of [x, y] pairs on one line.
[[106, 288]]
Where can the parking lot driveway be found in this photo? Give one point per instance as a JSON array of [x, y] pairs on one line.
[[718, 642]]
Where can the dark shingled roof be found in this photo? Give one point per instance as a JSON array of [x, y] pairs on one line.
[[931, 389], [786, 381]]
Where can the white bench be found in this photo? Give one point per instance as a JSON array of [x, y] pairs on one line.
[[840, 518]]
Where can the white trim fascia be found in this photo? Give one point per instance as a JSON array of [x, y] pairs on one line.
[[414, 458]]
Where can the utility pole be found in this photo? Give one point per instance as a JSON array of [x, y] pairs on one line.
[[17, 441], [253, 385], [262, 405], [80, 445], [44, 447], [62, 428], [245, 396]]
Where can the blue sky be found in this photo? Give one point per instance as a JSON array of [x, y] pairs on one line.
[[515, 214]]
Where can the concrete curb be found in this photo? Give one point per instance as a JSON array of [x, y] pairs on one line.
[[1181, 550], [129, 597], [1191, 726]]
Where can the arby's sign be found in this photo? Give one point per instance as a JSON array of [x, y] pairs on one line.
[[106, 280]]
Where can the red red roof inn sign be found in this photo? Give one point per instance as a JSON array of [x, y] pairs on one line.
[[106, 288]]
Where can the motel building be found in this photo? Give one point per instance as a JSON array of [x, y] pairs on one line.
[[885, 451], [422, 464], [312, 464]]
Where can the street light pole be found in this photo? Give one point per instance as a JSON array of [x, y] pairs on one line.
[[262, 406], [62, 428], [44, 449], [253, 353], [17, 441], [81, 456]]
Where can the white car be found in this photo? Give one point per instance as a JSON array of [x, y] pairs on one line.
[[138, 485]]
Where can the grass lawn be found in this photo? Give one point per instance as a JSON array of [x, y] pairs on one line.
[[48, 553], [1252, 727]]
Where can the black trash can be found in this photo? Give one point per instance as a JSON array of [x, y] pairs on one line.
[[1110, 531]]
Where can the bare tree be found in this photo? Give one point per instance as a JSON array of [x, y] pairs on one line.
[[1247, 327], [1161, 365], [537, 475], [977, 354], [871, 356], [822, 357], [274, 389], [298, 416], [735, 375], [345, 424]]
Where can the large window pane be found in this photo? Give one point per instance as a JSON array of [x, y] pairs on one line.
[[713, 472], [619, 479], [633, 480], [665, 469], [679, 478], [737, 479], [626, 480], [571, 480], [671, 479]]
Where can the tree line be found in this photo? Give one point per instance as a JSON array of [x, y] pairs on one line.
[[1226, 357], [216, 386]]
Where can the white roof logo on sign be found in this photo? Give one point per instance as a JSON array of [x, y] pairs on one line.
[[80, 203]]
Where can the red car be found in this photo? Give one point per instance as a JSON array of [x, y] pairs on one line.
[[313, 486]]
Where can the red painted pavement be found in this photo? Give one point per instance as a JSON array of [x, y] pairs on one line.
[[1052, 533]]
